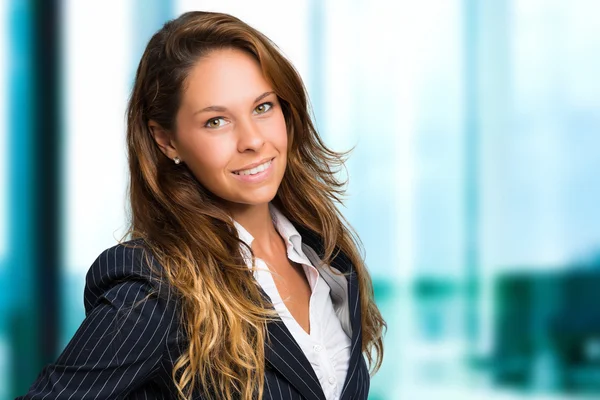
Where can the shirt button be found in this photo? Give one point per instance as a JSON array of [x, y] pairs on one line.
[[317, 348], [331, 380]]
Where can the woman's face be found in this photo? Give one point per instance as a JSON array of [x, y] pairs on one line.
[[231, 132]]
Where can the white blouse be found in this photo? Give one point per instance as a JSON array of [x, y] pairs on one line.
[[327, 347]]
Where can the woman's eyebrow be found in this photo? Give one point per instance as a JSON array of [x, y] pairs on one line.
[[222, 108]]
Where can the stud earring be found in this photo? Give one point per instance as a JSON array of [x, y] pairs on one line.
[[177, 160]]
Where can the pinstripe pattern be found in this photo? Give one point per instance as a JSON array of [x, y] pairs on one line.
[[357, 371], [130, 339]]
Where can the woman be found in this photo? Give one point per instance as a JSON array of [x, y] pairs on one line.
[[241, 278]]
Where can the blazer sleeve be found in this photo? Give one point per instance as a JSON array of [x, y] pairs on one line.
[[120, 344]]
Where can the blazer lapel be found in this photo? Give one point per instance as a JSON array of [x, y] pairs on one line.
[[342, 263], [356, 341], [286, 356]]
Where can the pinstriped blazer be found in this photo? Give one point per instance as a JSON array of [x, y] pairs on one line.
[[128, 343]]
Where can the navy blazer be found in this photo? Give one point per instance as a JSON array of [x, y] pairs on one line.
[[127, 345]]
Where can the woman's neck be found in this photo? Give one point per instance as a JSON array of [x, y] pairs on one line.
[[256, 219]]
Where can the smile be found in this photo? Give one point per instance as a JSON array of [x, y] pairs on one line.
[[256, 170], [259, 174]]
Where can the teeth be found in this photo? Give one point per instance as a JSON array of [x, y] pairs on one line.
[[254, 170]]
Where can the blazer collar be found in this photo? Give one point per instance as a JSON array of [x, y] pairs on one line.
[[341, 262], [284, 353]]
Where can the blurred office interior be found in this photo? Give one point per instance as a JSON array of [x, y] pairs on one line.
[[474, 183]]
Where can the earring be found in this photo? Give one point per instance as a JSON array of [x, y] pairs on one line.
[[177, 160]]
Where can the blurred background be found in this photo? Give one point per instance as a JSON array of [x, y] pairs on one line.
[[474, 185]]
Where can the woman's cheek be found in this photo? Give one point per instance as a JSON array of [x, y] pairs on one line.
[[279, 132]]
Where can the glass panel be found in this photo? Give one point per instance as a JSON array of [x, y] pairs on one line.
[[3, 128], [97, 63], [4, 297]]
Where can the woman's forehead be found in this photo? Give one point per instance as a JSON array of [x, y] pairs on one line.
[[226, 78]]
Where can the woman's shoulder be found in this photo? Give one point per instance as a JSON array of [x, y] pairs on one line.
[[130, 259], [124, 266]]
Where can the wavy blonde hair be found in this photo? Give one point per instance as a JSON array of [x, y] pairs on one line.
[[222, 311]]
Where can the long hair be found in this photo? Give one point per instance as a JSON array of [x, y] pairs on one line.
[[222, 311]]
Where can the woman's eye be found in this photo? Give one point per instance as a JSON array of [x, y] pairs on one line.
[[263, 108], [215, 122]]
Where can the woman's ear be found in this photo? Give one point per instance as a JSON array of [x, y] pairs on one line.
[[162, 137]]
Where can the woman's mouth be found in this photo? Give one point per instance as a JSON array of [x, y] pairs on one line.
[[256, 174], [255, 170]]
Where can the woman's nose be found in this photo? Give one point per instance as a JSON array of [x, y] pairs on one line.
[[249, 136]]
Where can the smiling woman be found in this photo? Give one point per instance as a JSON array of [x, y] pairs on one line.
[[239, 277], [236, 144]]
